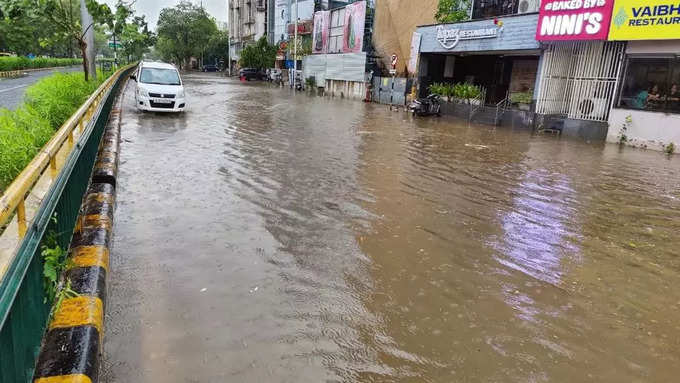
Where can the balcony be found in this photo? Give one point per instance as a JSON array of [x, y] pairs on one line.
[[484, 9]]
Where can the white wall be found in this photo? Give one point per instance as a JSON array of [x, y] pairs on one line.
[[343, 67], [648, 129]]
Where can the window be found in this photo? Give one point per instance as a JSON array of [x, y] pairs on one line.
[[159, 76], [337, 31], [490, 8], [651, 84]]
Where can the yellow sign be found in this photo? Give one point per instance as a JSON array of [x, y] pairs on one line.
[[645, 20]]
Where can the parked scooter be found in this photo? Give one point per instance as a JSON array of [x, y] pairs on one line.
[[428, 106]]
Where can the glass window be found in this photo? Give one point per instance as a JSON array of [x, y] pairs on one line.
[[651, 84], [337, 30], [491, 8], [674, 90], [159, 76]]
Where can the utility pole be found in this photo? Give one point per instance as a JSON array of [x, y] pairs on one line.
[[88, 35], [115, 48], [295, 48]]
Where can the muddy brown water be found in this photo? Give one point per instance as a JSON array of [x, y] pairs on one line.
[[266, 237]]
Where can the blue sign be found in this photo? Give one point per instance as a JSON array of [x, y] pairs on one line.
[[290, 64]]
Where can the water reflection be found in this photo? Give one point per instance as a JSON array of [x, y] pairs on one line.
[[539, 227]]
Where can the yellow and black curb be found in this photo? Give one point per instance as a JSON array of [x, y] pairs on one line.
[[71, 347]]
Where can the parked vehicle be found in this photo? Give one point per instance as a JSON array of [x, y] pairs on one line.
[[159, 88], [274, 75], [252, 74], [430, 105], [210, 68]]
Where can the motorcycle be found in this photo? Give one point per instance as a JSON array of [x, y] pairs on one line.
[[430, 105]]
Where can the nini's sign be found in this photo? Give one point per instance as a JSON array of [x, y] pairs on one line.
[[574, 20], [645, 20], [449, 38]]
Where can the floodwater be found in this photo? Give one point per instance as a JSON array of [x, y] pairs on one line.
[[265, 237]]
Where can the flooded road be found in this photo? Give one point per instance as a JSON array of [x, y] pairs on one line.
[[264, 237]]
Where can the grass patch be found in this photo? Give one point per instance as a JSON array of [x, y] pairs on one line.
[[15, 63], [47, 105]]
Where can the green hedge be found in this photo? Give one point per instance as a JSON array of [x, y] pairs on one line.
[[14, 63], [47, 105]]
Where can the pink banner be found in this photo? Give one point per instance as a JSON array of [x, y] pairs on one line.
[[355, 17], [322, 27], [574, 20]]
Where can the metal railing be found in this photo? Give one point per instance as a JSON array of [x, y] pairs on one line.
[[501, 108], [477, 103], [14, 197], [52, 184]]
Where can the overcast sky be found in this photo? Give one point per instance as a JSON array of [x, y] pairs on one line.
[[151, 8]]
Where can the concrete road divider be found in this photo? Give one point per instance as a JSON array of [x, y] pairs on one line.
[[71, 348]]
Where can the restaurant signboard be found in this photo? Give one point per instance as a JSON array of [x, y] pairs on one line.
[[574, 20]]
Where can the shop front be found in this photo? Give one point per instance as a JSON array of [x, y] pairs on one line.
[[500, 55], [580, 69], [646, 110]]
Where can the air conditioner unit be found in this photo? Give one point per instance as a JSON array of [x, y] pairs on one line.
[[593, 109], [529, 6]]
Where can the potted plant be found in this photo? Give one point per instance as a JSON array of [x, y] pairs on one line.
[[523, 100], [310, 84], [466, 92]]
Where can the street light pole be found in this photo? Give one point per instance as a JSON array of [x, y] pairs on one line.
[[295, 58], [115, 48]]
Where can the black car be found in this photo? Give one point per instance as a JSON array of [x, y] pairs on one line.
[[251, 74], [210, 68]]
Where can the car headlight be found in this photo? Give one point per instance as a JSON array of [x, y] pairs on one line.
[[180, 93], [143, 92]]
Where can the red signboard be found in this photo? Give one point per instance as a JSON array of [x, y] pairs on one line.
[[574, 20], [304, 28]]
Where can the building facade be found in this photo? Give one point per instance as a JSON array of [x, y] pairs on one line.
[[248, 22], [341, 44], [494, 50], [646, 107], [395, 22], [599, 70]]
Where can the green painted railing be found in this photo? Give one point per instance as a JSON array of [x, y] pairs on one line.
[[23, 309]]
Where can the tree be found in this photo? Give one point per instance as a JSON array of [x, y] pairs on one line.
[[260, 55], [451, 11], [218, 48], [136, 38], [22, 31], [184, 32], [304, 47], [64, 17]]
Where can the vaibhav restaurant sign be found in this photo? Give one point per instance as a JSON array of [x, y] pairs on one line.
[[645, 20], [574, 20]]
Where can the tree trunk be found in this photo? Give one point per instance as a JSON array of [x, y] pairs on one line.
[[83, 51]]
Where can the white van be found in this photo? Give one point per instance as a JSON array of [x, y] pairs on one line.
[[159, 88]]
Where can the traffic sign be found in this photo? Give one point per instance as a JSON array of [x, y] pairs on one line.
[[393, 72], [116, 45], [395, 59]]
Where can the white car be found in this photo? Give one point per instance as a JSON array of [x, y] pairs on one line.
[[159, 88]]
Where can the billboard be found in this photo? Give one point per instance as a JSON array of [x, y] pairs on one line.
[[322, 26], [353, 32], [574, 20], [645, 20], [281, 20]]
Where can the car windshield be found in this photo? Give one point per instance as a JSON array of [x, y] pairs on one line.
[[159, 76]]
